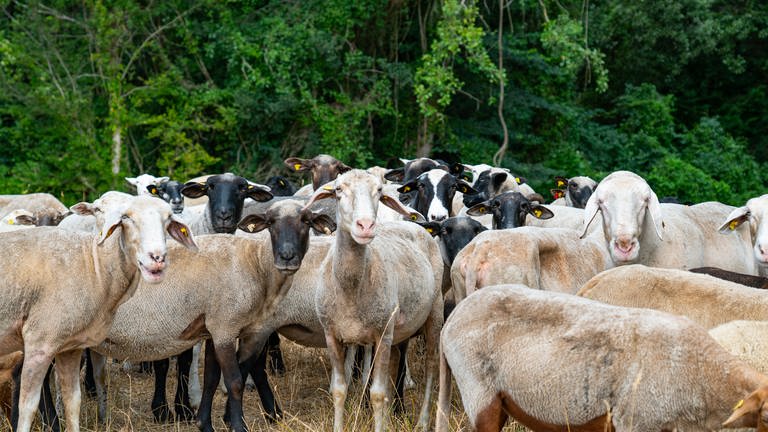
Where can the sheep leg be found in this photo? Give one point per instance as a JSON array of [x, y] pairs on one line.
[[256, 366], [338, 380], [89, 381], [432, 328], [68, 375], [443, 395], [226, 355], [33, 372], [276, 364], [195, 393], [46, 407], [381, 380], [401, 353], [160, 409], [211, 377], [182, 407], [99, 363]]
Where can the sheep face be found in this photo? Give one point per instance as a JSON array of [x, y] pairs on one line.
[[226, 194], [280, 186], [756, 213], [288, 224], [170, 191], [454, 234], [411, 169], [623, 198], [578, 191], [509, 210], [434, 192], [143, 223], [324, 168], [358, 194], [145, 183]]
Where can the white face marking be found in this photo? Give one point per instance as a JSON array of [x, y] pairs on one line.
[[438, 209]]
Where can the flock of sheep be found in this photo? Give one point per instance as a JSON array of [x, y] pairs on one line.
[[580, 315]]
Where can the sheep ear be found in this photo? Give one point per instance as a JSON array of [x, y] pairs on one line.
[[397, 206], [654, 210], [407, 187], [180, 232], [163, 179], [590, 212], [194, 189], [343, 167], [745, 413], [24, 220], [498, 179], [465, 188], [540, 212], [325, 191], [112, 221], [132, 180], [258, 193], [737, 217], [152, 189], [395, 175], [479, 209], [83, 209], [322, 224], [521, 180], [298, 165], [557, 193], [432, 227], [253, 223]]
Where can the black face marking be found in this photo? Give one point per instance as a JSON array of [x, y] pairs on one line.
[[433, 193], [455, 233], [280, 186], [170, 191]]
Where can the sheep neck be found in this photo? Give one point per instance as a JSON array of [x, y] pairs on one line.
[[350, 262], [115, 271]]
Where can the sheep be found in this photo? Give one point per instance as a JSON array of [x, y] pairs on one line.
[[672, 236], [705, 299], [323, 167], [170, 191], [509, 210], [575, 190], [555, 361], [45, 208], [197, 302], [740, 278], [746, 340], [413, 168], [552, 259], [756, 213], [280, 186], [70, 276], [360, 300]]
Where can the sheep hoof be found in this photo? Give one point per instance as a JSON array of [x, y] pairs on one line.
[[162, 414]]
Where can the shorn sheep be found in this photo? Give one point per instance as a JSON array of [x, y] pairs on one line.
[[60, 290], [378, 285], [638, 229], [557, 362], [755, 213]]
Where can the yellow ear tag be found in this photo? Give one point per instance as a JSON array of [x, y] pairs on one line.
[[327, 188], [154, 191], [281, 183], [184, 231], [517, 179], [430, 230], [537, 212], [10, 221], [406, 189], [738, 405], [414, 217], [481, 210], [560, 183], [251, 227], [297, 167], [732, 226]]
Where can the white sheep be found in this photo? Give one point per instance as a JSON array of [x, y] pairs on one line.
[[705, 299], [638, 229], [557, 362], [146, 184], [83, 276], [755, 212], [746, 340], [361, 300], [45, 208], [553, 259]]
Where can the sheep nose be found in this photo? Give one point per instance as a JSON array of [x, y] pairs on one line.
[[224, 215], [157, 257], [175, 200], [365, 225], [438, 218], [624, 243], [287, 254]]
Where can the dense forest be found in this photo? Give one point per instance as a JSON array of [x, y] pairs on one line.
[[92, 91]]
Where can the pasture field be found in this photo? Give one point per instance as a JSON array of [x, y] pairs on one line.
[[302, 392]]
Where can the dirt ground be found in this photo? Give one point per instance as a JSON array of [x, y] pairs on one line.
[[302, 393]]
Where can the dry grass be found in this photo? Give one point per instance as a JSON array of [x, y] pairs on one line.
[[302, 393]]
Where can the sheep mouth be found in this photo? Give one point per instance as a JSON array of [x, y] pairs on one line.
[[627, 254], [177, 209], [363, 238], [152, 275], [287, 269]]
